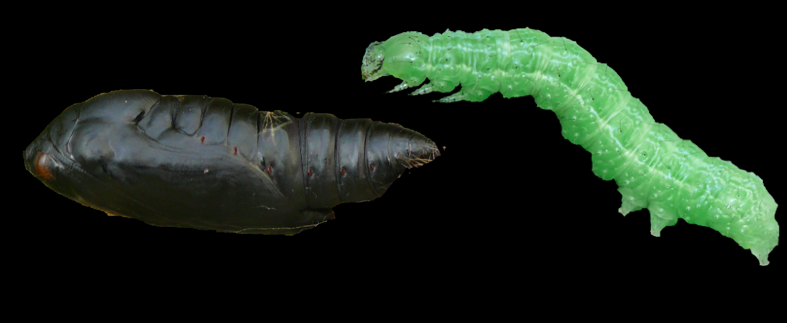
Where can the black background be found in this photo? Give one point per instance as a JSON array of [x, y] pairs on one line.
[[508, 196]]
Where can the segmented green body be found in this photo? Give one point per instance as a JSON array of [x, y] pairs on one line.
[[653, 167]]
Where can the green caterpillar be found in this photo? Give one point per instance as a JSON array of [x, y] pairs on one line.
[[653, 167]]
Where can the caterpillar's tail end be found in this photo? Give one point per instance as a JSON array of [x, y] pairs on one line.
[[764, 234], [372, 65], [761, 248]]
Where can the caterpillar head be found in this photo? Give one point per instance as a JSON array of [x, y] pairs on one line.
[[372, 65], [403, 56]]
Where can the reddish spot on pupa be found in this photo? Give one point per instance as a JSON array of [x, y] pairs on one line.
[[342, 171], [310, 172], [236, 150], [203, 139], [371, 166], [270, 170], [42, 166]]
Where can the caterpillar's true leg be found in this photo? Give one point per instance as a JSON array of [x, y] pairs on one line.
[[423, 90], [456, 97], [437, 85], [473, 94], [400, 87]]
